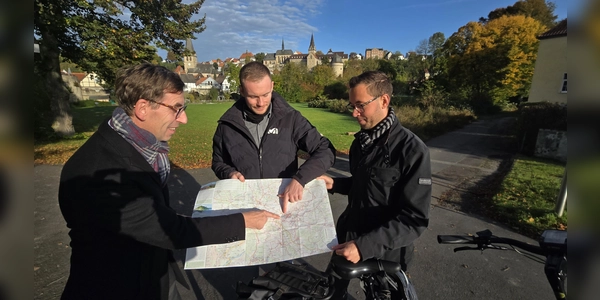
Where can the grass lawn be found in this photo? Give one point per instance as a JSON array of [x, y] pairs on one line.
[[527, 196], [191, 146]]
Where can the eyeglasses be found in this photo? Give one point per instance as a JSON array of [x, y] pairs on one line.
[[360, 106], [177, 111]]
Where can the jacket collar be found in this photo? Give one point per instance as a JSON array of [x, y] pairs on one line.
[[126, 151], [235, 114]]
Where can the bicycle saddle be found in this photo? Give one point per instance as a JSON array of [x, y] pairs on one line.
[[348, 270]]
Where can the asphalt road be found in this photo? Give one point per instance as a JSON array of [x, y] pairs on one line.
[[469, 154]]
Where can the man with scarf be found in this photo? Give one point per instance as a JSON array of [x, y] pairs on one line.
[[114, 197], [260, 135], [389, 192]]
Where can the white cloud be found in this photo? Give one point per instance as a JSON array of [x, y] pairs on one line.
[[234, 26]]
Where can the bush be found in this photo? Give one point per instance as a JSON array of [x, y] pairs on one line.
[[433, 121], [536, 116], [338, 106], [91, 103], [319, 104]]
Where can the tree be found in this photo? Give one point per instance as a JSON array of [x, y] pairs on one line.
[[541, 10], [213, 94], [423, 47], [95, 36], [435, 43], [322, 75], [171, 57], [493, 62], [291, 83], [260, 57], [233, 72]]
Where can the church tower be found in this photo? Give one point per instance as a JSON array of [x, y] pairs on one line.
[[311, 59], [282, 45], [190, 60], [311, 47]]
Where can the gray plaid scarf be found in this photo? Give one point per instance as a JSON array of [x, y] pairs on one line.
[[154, 151], [367, 137]]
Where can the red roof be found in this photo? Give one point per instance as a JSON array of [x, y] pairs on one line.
[[79, 76], [179, 70], [557, 31], [246, 54]]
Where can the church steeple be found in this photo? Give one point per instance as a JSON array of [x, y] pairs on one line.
[[282, 45], [190, 59], [311, 47], [189, 46]]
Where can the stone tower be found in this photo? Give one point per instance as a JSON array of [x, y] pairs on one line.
[[337, 65], [190, 60]]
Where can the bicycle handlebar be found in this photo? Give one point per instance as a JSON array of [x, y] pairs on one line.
[[487, 242]]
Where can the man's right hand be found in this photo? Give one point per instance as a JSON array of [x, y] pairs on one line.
[[237, 175], [257, 219]]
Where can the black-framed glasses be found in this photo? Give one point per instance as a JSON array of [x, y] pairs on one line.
[[177, 111], [360, 106]]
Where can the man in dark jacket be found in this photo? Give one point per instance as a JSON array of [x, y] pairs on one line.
[[389, 192], [260, 135], [114, 197]]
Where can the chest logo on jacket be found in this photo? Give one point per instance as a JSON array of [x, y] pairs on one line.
[[273, 131]]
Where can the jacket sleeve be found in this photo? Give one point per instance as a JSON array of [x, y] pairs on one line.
[[134, 206], [221, 163], [320, 149], [413, 198], [341, 185]]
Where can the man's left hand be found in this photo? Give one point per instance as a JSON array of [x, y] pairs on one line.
[[292, 193]]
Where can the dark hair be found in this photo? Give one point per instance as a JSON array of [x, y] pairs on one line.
[[377, 83], [253, 71], [145, 81]]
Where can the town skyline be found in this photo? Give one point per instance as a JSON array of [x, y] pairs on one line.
[[234, 26]]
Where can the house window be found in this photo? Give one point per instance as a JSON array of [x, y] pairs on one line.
[[563, 88]]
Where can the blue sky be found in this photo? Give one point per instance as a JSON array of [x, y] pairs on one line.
[[234, 26]]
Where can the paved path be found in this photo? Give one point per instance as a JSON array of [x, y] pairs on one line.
[[469, 154]]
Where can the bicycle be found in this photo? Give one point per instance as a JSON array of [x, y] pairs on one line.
[[289, 280], [552, 245]]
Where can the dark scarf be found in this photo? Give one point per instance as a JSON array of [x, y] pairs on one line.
[[367, 137], [154, 151], [251, 116]]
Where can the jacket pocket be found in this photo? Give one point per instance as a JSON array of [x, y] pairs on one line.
[[381, 182], [384, 176]]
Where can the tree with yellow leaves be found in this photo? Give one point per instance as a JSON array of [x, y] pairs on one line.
[[490, 63]]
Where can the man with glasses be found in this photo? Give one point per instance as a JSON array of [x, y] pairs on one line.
[[114, 197], [389, 192], [260, 135]]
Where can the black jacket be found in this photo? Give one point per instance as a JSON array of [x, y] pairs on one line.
[[287, 131], [122, 228], [389, 195]]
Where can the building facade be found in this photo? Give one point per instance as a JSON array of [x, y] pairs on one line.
[[549, 82]]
